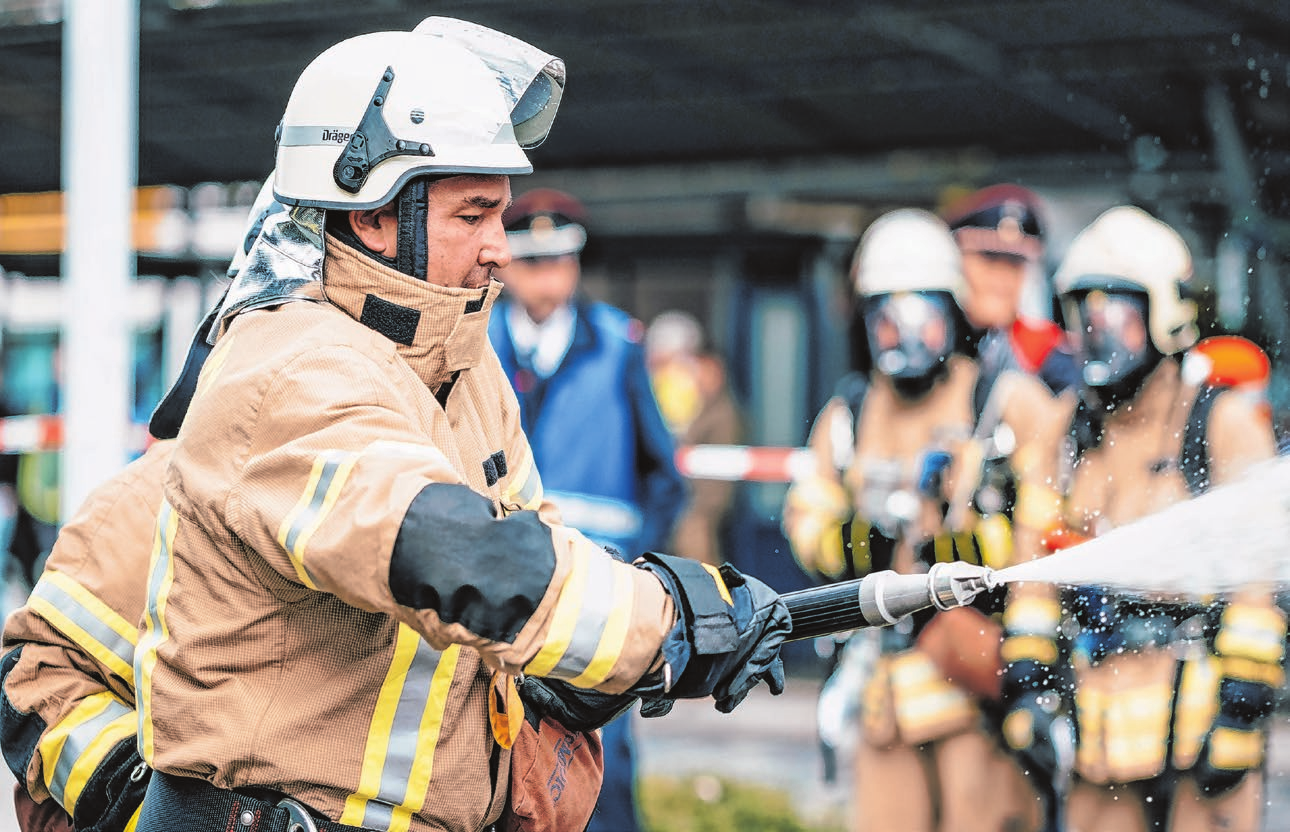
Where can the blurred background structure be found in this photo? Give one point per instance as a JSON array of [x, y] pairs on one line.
[[729, 154]]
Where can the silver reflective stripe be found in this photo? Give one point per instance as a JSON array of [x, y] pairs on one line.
[[303, 135], [78, 740], [405, 731], [597, 605], [80, 615]]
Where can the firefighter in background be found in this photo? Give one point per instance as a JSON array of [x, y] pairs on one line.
[[354, 559], [882, 447], [689, 380], [1172, 695], [586, 406], [1000, 231]]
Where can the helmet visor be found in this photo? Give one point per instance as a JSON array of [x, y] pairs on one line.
[[910, 333], [532, 80], [1111, 335]]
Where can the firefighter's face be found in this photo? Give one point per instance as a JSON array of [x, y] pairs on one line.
[[994, 284], [464, 234], [465, 240], [542, 284]]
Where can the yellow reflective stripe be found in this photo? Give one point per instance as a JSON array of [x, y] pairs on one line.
[[1266, 673], [95, 627], [966, 549], [214, 363], [524, 487], [614, 635], [943, 545], [1038, 506], [564, 620], [1235, 750], [326, 479], [1033, 616], [1039, 648], [72, 749], [428, 740], [161, 574], [994, 540], [378, 737], [722, 589], [1251, 632]]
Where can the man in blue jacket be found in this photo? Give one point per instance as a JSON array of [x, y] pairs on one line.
[[605, 453]]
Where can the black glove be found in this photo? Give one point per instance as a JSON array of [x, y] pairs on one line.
[[577, 709], [114, 791], [1235, 743], [727, 636]]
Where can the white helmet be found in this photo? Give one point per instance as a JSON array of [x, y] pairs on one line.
[[374, 111], [1127, 248], [907, 250]]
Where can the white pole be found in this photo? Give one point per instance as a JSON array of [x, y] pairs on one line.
[[100, 127]]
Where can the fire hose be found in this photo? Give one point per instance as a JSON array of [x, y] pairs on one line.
[[883, 598]]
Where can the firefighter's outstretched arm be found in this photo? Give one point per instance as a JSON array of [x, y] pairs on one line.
[[349, 498]]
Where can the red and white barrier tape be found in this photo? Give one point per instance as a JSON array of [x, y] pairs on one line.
[[30, 434], [744, 463]]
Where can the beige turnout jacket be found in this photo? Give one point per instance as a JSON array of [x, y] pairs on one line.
[[79, 627], [273, 653]]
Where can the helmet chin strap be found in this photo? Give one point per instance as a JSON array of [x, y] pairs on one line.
[[412, 208]]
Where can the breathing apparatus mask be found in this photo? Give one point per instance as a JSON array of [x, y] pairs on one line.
[[911, 336], [1110, 332]]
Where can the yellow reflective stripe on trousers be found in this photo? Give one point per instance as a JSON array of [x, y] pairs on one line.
[[161, 574], [399, 756], [93, 625], [71, 750], [326, 479], [590, 622], [133, 823]]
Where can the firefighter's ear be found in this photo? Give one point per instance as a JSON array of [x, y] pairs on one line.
[[377, 229]]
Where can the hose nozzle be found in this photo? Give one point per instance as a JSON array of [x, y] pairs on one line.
[[883, 598], [958, 584]]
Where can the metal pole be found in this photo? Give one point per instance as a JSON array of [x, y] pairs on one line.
[[100, 131]]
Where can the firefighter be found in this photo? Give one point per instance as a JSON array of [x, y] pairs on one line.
[[886, 452], [68, 725], [68, 728], [606, 456], [1172, 695], [1000, 231], [355, 563]]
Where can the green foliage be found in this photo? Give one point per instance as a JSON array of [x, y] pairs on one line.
[[711, 804]]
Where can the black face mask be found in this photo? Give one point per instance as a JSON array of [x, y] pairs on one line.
[[1111, 330], [910, 335]]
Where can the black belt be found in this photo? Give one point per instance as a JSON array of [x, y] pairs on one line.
[[196, 806]]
